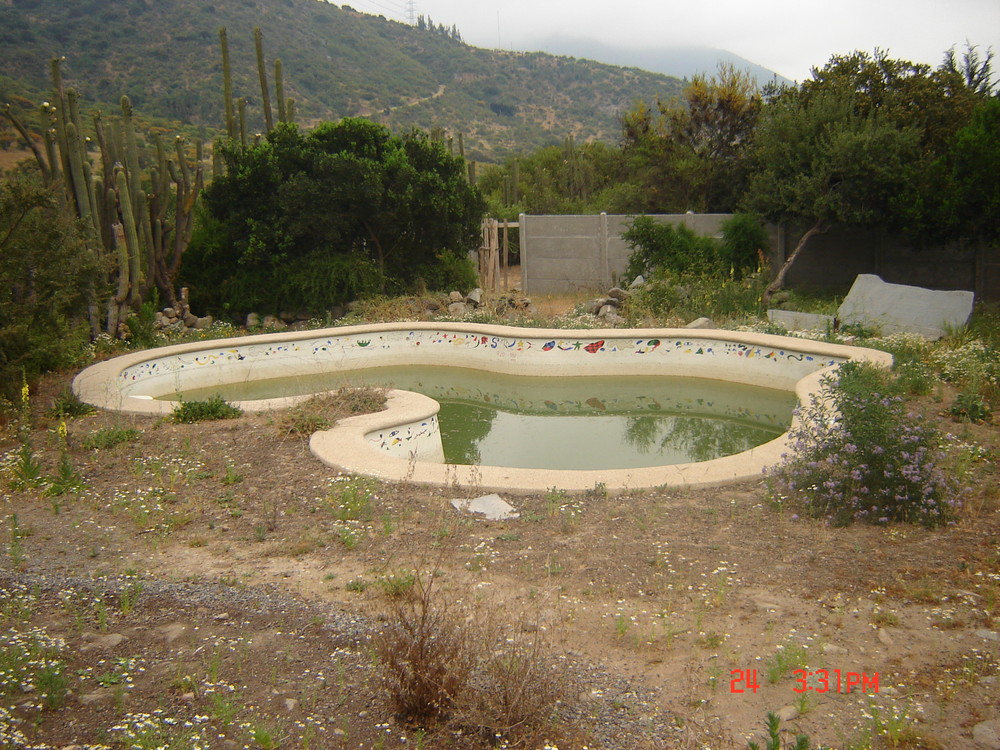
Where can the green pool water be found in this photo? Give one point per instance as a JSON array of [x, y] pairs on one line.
[[588, 422]]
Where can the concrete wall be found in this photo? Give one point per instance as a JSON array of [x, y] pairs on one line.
[[565, 254]]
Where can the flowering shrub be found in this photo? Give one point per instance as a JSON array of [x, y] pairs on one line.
[[867, 459]]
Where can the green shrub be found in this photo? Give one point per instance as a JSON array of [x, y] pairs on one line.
[[109, 437], [188, 412], [970, 407], [68, 404], [669, 248], [688, 296], [744, 244]]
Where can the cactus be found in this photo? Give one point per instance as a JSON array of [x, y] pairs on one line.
[[227, 83], [265, 95], [242, 103], [279, 91]]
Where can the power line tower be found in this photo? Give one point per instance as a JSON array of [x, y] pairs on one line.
[[411, 11]]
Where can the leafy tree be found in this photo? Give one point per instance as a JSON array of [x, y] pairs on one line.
[[308, 220], [865, 143], [47, 277], [690, 153], [976, 173], [819, 162]]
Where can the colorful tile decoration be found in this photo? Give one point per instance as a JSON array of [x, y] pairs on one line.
[[331, 347]]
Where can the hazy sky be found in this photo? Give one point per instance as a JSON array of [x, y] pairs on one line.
[[786, 36]]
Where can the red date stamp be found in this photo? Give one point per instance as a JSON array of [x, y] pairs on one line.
[[814, 680]]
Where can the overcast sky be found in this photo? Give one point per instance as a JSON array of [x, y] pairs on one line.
[[787, 36]]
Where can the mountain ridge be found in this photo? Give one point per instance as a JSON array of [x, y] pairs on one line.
[[165, 56]]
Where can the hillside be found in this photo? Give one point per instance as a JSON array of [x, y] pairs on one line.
[[165, 55]]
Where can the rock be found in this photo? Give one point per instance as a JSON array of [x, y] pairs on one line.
[[768, 605], [637, 282], [475, 297], [272, 322], [618, 294], [291, 704], [989, 635], [898, 308], [885, 638], [607, 310], [987, 734], [830, 648], [592, 307], [494, 507], [202, 323], [190, 320], [458, 309], [287, 317], [705, 323], [169, 312], [173, 632], [98, 696], [253, 320], [105, 642], [780, 298], [456, 297], [221, 617], [787, 713], [431, 306]]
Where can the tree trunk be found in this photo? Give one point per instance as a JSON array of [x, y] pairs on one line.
[[779, 280]]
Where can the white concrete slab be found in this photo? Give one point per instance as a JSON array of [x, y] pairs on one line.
[[792, 320], [898, 308], [494, 507]]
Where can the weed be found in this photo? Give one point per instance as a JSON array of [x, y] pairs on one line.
[[215, 407], [351, 498], [129, 595], [322, 410], [231, 476], [348, 537], [68, 405], [786, 659], [970, 407], [773, 739], [357, 585], [15, 548], [109, 437], [398, 584], [622, 624]]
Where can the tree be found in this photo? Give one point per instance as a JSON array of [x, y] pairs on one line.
[[309, 220], [691, 152], [819, 161], [48, 273]]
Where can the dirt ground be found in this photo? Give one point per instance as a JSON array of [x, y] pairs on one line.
[[212, 581]]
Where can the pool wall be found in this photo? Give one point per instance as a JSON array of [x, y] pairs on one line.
[[403, 442]]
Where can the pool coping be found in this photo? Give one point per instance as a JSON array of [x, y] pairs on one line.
[[345, 446]]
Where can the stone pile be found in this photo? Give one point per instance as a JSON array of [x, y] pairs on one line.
[[180, 318], [459, 304]]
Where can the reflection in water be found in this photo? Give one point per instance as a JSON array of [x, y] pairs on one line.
[[567, 422], [701, 439]]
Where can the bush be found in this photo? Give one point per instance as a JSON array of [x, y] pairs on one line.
[[469, 673], [189, 412], [426, 655], [693, 295], [744, 244], [867, 461], [665, 247]]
